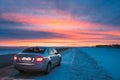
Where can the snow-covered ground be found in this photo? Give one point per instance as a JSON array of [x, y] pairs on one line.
[[86, 68], [62, 72], [58, 73], [78, 64], [9, 51], [107, 58]]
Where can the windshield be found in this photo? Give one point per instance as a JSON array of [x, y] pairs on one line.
[[34, 50]]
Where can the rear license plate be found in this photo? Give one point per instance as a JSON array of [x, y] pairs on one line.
[[26, 59]]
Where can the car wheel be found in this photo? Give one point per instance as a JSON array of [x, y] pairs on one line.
[[59, 63], [48, 69]]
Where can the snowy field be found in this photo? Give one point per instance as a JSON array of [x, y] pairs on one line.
[[107, 58], [9, 51], [77, 64], [58, 73]]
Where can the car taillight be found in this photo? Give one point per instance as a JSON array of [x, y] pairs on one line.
[[39, 59], [15, 57]]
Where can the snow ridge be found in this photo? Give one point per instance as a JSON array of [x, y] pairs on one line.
[[86, 68]]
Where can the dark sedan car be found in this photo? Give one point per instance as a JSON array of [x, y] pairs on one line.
[[37, 59]]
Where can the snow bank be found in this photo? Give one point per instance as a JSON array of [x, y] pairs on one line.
[[9, 51], [108, 58], [85, 68]]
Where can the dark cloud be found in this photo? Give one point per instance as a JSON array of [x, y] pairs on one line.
[[7, 24], [27, 34], [19, 6], [3, 21], [97, 11], [11, 30]]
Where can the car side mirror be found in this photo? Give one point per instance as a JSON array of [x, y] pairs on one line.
[[56, 53]]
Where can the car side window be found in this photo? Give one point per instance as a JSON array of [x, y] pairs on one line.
[[36, 50], [48, 50], [52, 51]]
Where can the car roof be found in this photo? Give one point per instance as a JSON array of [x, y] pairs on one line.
[[36, 47]]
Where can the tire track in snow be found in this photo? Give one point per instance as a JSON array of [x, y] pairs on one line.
[[86, 68]]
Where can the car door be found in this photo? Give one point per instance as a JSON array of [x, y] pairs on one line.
[[52, 56], [56, 57]]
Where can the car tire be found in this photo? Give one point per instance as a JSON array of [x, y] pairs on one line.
[[48, 69], [59, 62]]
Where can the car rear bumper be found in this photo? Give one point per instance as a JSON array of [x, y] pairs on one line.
[[30, 67]]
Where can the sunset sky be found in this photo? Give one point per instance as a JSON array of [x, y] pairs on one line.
[[59, 22]]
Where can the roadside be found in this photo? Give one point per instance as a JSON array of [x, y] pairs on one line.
[[58, 73], [107, 57], [6, 60], [86, 68], [76, 65]]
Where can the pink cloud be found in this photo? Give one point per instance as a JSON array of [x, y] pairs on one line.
[[78, 33]]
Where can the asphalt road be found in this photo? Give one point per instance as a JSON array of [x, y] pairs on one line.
[[76, 65]]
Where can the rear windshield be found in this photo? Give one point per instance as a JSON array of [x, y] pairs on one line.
[[34, 50]]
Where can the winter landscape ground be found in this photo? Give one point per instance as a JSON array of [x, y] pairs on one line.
[[88, 63]]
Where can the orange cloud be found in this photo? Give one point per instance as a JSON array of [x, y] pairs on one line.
[[55, 42], [52, 22], [78, 33]]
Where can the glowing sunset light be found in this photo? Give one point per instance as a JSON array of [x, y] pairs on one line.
[[57, 23], [54, 23]]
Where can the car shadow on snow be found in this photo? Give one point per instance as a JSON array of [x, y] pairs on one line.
[[28, 75]]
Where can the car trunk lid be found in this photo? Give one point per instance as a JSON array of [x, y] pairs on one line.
[[27, 57]]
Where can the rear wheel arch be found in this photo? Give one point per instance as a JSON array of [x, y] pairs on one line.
[[48, 67], [49, 62], [59, 63]]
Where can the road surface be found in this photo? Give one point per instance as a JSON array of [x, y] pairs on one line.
[[76, 65]]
